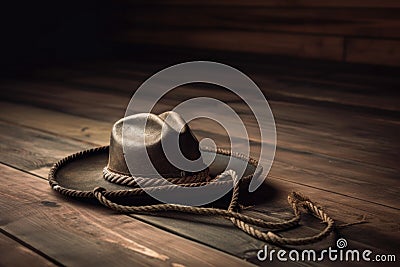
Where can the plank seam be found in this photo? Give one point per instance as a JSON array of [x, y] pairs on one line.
[[329, 191], [28, 246]]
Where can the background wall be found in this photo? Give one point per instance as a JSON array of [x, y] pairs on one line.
[[363, 31], [37, 33]]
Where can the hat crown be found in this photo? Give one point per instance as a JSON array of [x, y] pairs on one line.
[[138, 140]]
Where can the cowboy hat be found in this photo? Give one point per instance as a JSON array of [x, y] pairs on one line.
[[79, 174], [105, 174]]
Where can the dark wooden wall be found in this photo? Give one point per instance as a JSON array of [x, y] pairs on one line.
[[47, 32], [362, 31]]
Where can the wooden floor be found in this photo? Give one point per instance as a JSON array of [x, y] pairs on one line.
[[338, 142]]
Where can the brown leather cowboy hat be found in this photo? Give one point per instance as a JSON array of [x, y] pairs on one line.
[[79, 174]]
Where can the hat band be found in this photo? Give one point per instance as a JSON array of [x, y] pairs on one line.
[[136, 181]]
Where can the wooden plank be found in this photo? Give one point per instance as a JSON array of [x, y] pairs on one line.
[[275, 3], [234, 235], [293, 29], [239, 244], [301, 141], [383, 235], [291, 136], [15, 254], [349, 22], [321, 47], [91, 131], [29, 144], [284, 80], [327, 90], [310, 122], [288, 82], [76, 233], [300, 127], [69, 100], [371, 51], [348, 164]]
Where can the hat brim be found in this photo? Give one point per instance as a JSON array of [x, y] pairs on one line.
[[78, 174]]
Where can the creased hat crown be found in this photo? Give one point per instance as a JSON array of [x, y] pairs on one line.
[[137, 140]]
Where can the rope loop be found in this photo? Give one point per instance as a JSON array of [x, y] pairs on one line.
[[297, 201], [244, 222]]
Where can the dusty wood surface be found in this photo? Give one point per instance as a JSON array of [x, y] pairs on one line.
[[72, 233], [337, 142], [13, 253]]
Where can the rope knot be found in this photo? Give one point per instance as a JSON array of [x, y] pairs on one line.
[[99, 190]]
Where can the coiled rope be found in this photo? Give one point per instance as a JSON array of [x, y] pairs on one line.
[[298, 202], [243, 222]]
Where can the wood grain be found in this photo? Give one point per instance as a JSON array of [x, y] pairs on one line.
[[385, 52], [91, 131], [334, 144], [276, 3], [342, 85], [14, 254], [76, 233], [304, 28], [372, 136], [382, 219], [321, 47], [361, 22]]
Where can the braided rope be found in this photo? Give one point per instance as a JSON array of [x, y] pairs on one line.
[[294, 200], [132, 181], [64, 161], [244, 222], [99, 194], [133, 192]]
